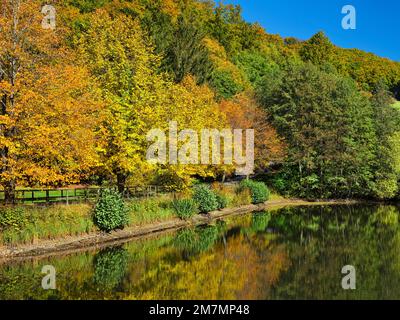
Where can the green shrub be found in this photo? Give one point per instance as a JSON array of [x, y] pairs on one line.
[[205, 198], [110, 212], [259, 191], [222, 201], [280, 184], [185, 208], [12, 218]]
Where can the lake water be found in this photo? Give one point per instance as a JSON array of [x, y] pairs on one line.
[[295, 253]]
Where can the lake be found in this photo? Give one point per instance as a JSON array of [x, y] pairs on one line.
[[291, 253]]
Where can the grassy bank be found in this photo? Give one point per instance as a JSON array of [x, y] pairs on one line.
[[28, 224]]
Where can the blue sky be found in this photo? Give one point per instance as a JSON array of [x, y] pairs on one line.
[[378, 22]]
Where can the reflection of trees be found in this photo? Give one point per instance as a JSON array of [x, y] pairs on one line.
[[109, 267], [23, 280], [192, 241], [260, 221], [241, 259], [364, 237], [244, 266]]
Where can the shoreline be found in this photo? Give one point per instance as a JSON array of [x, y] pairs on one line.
[[92, 241]]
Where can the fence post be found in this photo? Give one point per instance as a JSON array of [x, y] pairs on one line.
[[47, 196]]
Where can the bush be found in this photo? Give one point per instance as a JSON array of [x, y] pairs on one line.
[[280, 184], [222, 201], [259, 191], [110, 212], [185, 208], [12, 218], [205, 198]]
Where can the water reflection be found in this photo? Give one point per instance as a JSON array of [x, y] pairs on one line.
[[109, 266], [295, 253]]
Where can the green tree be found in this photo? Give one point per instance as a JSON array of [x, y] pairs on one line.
[[255, 65], [187, 54], [159, 25], [318, 49], [228, 27], [328, 126], [386, 120], [224, 84]]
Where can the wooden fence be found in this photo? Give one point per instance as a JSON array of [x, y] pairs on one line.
[[77, 194]]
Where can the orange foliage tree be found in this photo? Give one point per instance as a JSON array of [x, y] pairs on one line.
[[48, 110], [244, 113]]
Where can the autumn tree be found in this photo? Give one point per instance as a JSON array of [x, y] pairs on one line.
[[122, 63], [318, 49], [243, 112], [228, 27], [86, 6], [48, 109], [192, 107], [139, 100], [227, 80]]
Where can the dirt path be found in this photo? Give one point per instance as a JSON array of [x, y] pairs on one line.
[[67, 245]]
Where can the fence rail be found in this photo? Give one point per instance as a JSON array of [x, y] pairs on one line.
[[68, 195]]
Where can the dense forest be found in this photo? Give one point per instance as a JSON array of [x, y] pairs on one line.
[[77, 101]]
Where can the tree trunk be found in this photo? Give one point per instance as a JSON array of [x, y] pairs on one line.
[[121, 181], [8, 105], [9, 192]]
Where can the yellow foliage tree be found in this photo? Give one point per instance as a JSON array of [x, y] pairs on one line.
[[192, 107], [48, 110], [139, 100]]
